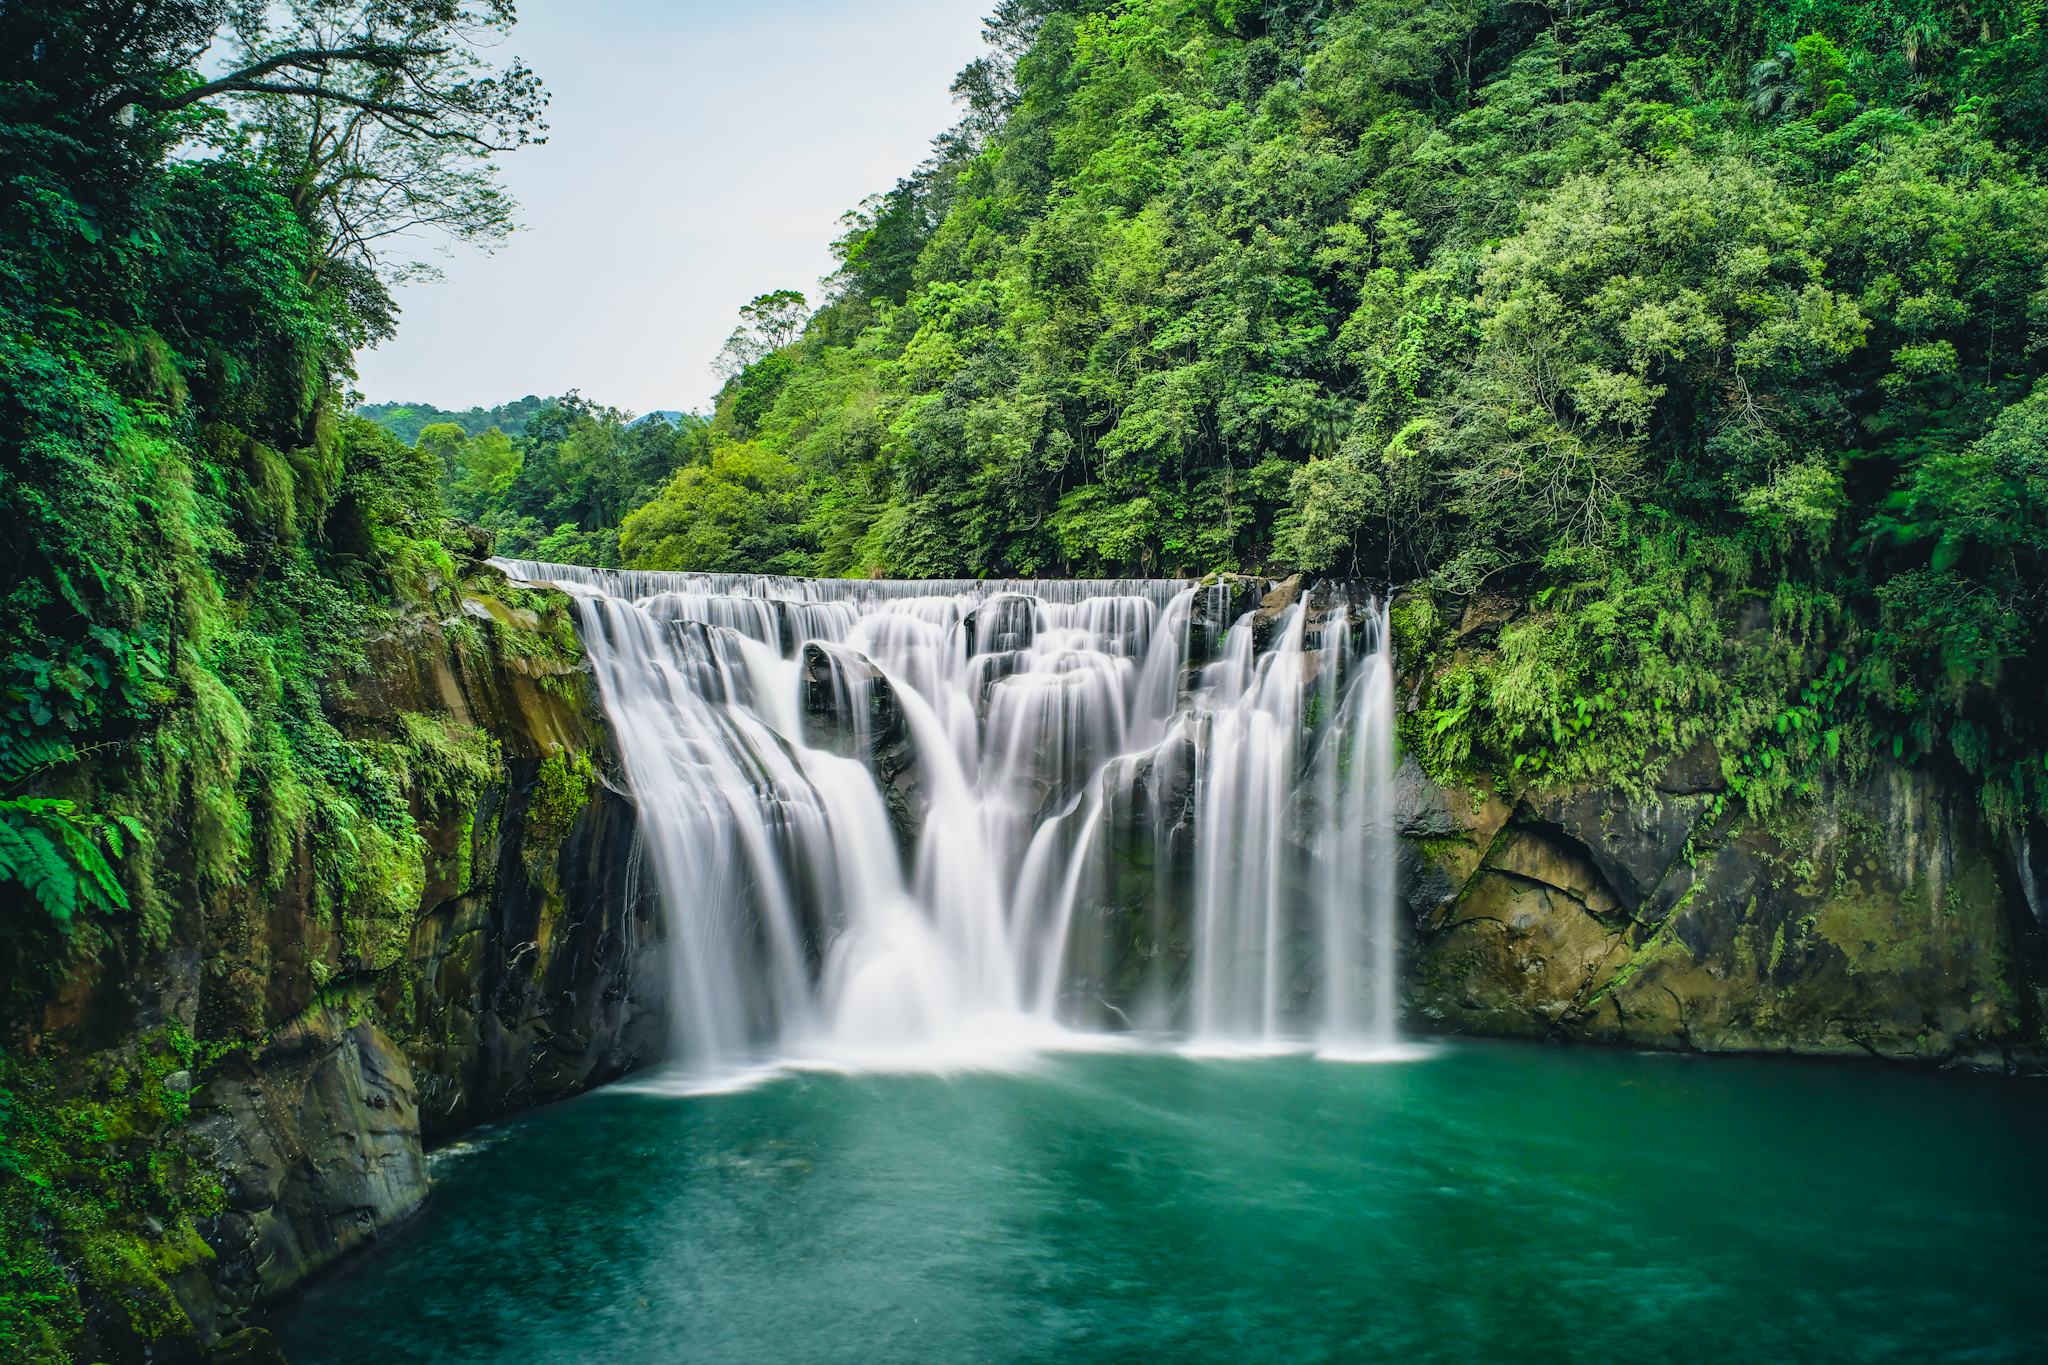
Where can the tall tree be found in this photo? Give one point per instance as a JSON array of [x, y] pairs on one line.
[[768, 322]]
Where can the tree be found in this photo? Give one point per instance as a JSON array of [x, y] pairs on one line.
[[444, 441], [378, 117], [384, 124], [490, 461], [768, 322], [743, 512]]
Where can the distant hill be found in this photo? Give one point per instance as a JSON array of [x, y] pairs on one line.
[[406, 420]]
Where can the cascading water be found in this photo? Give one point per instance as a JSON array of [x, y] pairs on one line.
[[917, 823]]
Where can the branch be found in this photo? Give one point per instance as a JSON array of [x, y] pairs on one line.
[[248, 80], [413, 118]]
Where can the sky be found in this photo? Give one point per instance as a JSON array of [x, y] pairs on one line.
[[698, 154]]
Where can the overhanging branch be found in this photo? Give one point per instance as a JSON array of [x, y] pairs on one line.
[[249, 80]]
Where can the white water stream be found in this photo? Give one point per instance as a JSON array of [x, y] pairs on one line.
[[1126, 813]]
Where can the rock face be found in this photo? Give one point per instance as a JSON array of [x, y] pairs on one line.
[[1219, 602], [1878, 920], [319, 1138], [336, 1050], [849, 707]]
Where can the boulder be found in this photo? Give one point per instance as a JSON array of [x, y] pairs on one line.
[[318, 1135], [850, 708]]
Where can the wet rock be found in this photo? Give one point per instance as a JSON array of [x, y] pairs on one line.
[[1004, 623], [850, 708], [1421, 808], [1272, 608], [1484, 616], [1875, 921], [319, 1135], [1692, 773], [1218, 603], [250, 1346], [1633, 842], [1520, 946]]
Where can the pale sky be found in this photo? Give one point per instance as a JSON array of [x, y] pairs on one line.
[[700, 154]]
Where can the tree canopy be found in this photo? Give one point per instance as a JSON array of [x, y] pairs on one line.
[[1627, 314]]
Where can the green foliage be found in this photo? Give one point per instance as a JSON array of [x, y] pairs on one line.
[[561, 788], [1680, 333], [768, 322], [739, 513], [407, 421], [200, 550], [558, 488], [53, 851], [101, 1192], [1955, 657]]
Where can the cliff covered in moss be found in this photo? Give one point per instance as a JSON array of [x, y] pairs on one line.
[[1875, 910], [205, 1119]]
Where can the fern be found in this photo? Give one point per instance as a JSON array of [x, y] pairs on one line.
[[53, 851], [22, 759]]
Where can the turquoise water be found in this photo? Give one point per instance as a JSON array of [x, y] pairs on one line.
[[1490, 1203]]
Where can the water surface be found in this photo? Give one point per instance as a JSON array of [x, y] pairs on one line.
[[1489, 1203]]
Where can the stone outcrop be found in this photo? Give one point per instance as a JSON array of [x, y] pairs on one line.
[[1879, 919], [1219, 601], [318, 1138], [832, 680]]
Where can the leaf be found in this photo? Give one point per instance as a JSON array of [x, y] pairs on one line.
[[28, 856]]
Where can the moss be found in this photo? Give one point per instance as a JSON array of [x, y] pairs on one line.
[[561, 788], [1866, 926], [1439, 849], [1659, 944], [1416, 626], [378, 879], [527, 623], [465, 851], [102, 1195]]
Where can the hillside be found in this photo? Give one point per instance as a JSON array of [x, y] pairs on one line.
[[1700, 343]]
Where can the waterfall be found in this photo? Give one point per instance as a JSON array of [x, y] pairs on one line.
[[931, 823]]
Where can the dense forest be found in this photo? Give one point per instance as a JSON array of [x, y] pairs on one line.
[[548, 478], [1702, 340], [407, 420], [203, 206], [1690, 352]]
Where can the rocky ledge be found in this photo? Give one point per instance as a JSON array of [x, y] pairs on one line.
[[1879, 919]]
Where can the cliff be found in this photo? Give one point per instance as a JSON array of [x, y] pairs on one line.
[[253, 1097], [1876, 913]]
